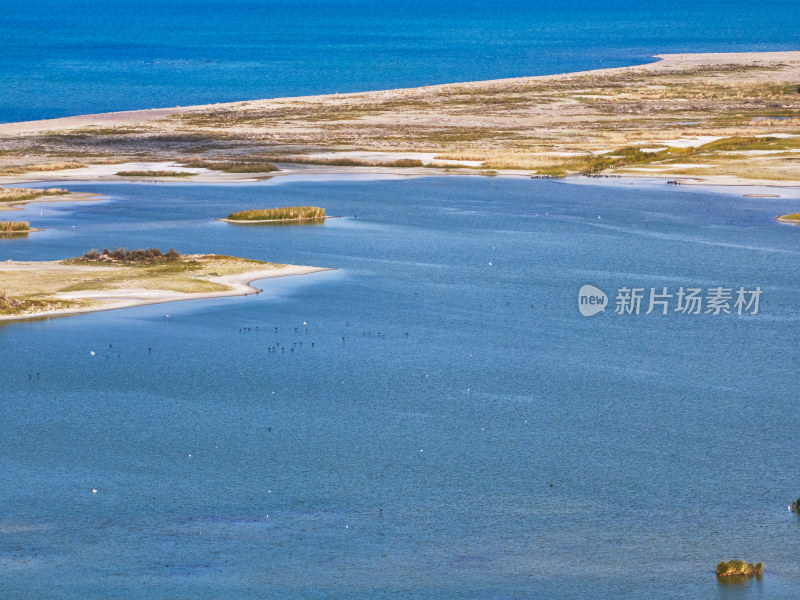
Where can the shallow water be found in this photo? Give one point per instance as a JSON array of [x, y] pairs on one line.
[[62, 57], [440, 427]]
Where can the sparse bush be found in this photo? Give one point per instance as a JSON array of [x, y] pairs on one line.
[[137, 256]]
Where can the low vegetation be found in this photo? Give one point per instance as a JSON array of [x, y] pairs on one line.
[[137, 256], [790, 218], [287, 213], [15, 306], [244, 166], [728, 568], [154, 174], [26, 194], [15, 226], [350, 162], [41, 168]]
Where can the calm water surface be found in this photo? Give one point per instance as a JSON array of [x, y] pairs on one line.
[[439, 421], [66, 57]]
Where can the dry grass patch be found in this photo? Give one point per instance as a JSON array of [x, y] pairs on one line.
[[41, 168], [26, 194], [15, 226], [287, 213], [153, 174]]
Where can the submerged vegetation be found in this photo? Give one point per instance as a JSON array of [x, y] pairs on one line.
[[728, 568], [14, 227], [154, 174], [286, 213], [26, 194]]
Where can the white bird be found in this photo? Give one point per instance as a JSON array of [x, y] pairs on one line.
[[94, 491], [91, 352]]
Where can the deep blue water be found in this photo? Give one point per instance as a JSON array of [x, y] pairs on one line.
[[66, 57], [441, 426]]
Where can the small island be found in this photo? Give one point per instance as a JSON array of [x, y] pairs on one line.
[[120, 278], [793, 218], [730, 568], [15, 228], [275, 215]]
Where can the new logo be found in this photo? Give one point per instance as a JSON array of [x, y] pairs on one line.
[[591, 300]]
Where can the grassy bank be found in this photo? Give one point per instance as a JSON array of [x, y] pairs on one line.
[[26, 194]]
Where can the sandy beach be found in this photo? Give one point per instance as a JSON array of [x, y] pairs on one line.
[[115, 298]]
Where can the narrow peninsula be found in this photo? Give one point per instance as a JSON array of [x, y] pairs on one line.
[[690, 118], [121, 278]]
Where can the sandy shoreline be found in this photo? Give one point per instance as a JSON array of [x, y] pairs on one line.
[[662, 62], [113, 299], [508, 127]]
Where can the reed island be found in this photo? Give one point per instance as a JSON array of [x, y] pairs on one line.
[[733, 568], [286, 214]]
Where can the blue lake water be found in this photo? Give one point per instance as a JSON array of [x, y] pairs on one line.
[[445, 424], [66, 57]]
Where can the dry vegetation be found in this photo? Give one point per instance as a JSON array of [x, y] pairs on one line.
[[238, 166], [287, 213], [589, 122], [154, 174], [26, 194], [12, 227], [41, 168]]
